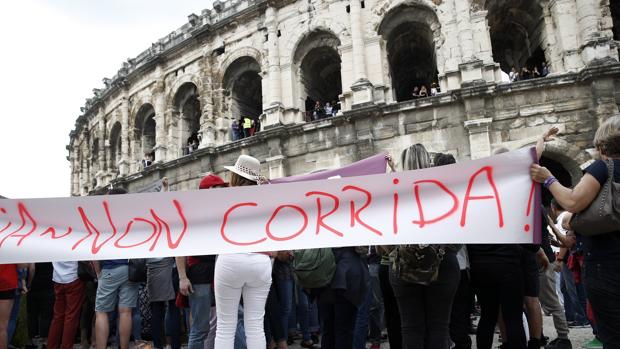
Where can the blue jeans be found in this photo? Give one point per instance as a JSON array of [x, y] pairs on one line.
[[361, 322], [308, 314], [285, 296], [572, 304], [200, 308], [13, 319]]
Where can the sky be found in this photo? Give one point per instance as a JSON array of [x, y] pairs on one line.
[[53, 54]]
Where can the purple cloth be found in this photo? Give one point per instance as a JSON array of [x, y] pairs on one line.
[[369, 166]]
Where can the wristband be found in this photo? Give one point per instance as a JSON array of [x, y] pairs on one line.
[[549, 181]]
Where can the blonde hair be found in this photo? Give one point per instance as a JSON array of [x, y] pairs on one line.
[[607, 137], [239, 181], [415, 157]]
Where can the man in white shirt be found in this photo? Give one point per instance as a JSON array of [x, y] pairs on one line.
[[69, 296]]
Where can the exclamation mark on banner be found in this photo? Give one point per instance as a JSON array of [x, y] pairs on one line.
[[529, 206]]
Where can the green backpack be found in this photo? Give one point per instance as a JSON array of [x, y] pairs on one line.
[[314, 268]]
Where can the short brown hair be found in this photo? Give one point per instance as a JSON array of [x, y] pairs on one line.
[[607, 137]]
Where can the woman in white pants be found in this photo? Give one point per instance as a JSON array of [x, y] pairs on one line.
[[242, 274]]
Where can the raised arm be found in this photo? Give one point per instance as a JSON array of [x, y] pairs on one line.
[[573, 200]]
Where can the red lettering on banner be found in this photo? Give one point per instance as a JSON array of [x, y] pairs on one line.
[[3, 210], [455, 203], [320, 218], [395, 212], [489, 174], [273, 216], [117, 243], [52, 231], [225, 221], [356, 214], [90, 227], [23, 214]]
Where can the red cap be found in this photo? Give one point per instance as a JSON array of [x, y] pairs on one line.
[[211, 180]]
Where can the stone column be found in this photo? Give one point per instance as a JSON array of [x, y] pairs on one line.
[[464, 25], [123, 165], [102, 152], [482, 46], [594, 45], [555, 64], [273, 111], [564, 16], [75, 177], [362, 88], [479, 140], [160, 121]]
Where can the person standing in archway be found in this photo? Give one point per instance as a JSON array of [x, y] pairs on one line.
[[247, 126]]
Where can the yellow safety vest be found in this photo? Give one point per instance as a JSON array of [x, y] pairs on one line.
[[247, 123]]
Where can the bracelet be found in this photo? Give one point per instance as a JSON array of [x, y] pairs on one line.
[[549, 181]]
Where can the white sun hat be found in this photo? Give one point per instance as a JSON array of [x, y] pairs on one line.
[[246, 167]]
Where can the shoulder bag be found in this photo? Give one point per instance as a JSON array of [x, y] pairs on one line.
[[603, 214]]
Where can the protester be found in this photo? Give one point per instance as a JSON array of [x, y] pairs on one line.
[[242, 274], [339, 301], [162, 295], [40, 301], [425, 299], [602, 250], [114, 290], [423, 91], [545, 70], [247, 126], [8, 286], [196, 279], [514, 75], [234, 129], [68, 299]]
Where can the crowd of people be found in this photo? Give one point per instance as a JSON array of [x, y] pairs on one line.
[[527, 73], [424, 296], [245, 127], [315, 110], [423, 91]]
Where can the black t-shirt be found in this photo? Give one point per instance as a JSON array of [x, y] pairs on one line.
[[42, 279], [604, 247]]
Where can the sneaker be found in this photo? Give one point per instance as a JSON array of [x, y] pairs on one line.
[[575, 324], [593, 344], [559, 343]]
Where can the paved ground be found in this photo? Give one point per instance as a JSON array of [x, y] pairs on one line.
[[578, 336]]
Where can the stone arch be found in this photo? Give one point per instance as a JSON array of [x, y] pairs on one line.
[[187, 113], [517, 33], [242, 83], [144, 127], [317, 68], [383, 7], [180, 81], [240, 53], [411, 33], [115, 145], [337, 28]]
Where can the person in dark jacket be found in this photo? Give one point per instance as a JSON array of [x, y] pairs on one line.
[[338, 303]]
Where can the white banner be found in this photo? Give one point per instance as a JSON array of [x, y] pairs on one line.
[[491, 200]]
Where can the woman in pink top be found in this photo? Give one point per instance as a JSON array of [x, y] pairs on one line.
[[242, 274]]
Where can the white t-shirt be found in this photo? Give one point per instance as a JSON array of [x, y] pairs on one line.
[[65, 272]]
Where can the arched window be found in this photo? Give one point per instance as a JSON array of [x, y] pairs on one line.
[[516, 29], [144, 134], [408, 31], [115, 145], [242, 81], [187, 107], [318, 68]]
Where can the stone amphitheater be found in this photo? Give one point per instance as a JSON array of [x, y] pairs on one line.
[[265, 58]]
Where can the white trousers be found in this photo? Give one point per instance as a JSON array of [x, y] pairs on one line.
[[236, 275]]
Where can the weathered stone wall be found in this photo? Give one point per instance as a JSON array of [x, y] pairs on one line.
[[188, 80]]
